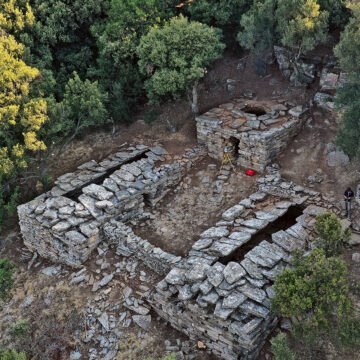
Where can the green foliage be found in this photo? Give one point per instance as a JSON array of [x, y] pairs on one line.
[[301, 24], [8, 203], [125, 86], [6, 273], [315, 290], [83, 107], [338, 13], [280, 348], [348, 136], [258, 26], [348, 332], [176, 55], [118, 39], [218, 13], [60, 42], [298, 24], [332, 239], [348, 48], [128, 20], [348, 97], [20, 329], [12, 355]]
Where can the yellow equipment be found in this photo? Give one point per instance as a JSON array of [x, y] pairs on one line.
[[226, 160]]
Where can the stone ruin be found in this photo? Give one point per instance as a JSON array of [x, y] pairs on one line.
[[65, 224], [219, 293], [254, 132]]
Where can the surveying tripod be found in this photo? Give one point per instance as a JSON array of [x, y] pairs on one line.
[[227, 159]]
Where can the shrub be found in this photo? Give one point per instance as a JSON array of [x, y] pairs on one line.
[[332, 239], [314, 291], [12, 355], [6, 273], [21, 328], [280, 348]]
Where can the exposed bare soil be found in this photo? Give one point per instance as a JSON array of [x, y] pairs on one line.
[[194, 206]]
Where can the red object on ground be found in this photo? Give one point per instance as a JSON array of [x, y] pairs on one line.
[[250, 172]]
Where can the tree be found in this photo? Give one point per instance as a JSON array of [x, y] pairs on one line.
[[313, 291], [338, 12], [224, 14], [218, 13], [348, 135], [348, 97], [83, 107], [60, 41], [257, 32], [21, 116], [299, 25], [175, 57], [331, 237], [302, 25], [127, 21], [118, 39]]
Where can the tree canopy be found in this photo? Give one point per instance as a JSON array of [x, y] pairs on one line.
[[348, 97], [299, 25], [175, 56], [315, 289], [302, 24], [258, 26], [21, 117]]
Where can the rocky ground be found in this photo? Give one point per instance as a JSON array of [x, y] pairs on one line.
[[97, 312]]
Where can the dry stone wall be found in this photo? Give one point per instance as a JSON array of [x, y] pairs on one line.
[[64, 224], [253, 140], [129, 244], [220, 295]]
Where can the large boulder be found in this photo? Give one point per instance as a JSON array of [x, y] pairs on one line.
[[283, 57], [337, 158]]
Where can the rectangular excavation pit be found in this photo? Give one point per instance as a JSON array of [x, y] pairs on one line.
[[282, 223], [188, 210]]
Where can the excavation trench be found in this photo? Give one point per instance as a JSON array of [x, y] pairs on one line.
[[282, 223]]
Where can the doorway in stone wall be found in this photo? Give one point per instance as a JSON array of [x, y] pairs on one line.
[[234, 148]]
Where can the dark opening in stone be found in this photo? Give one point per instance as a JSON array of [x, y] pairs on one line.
[[282, 223], [234, 150], [74, 194], [253, 109]]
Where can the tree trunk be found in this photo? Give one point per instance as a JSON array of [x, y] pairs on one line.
[[194, 101]]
